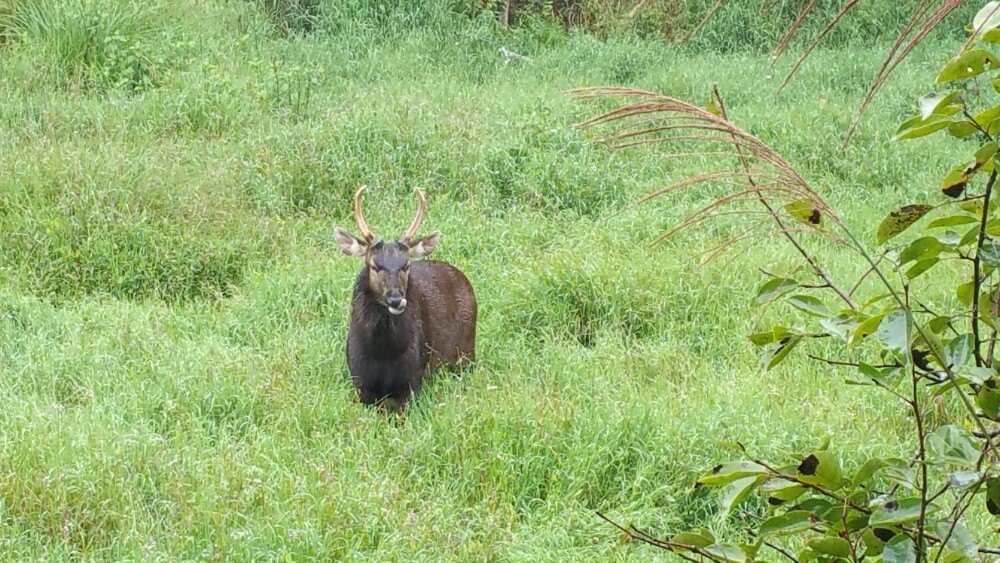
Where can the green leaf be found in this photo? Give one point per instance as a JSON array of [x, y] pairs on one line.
[[963, 293], [751, 549], [950, 239], [898, 471], [899, 550], [898, 221], [806, 212], [962, 129], [817, 506], [875, 299], [922, 266], [824, 444], [699, 537], [870, 373], [867, 327], [984, 155], [830, 545], [774, 287], [769, 336], [841, 326], [737, 490], [919, 249], [987, 18], [970, 236], [779, 491], [916, 127], [896, 512], [820, 468], [937, 102], [954, 182], [806, 555], [988, 399], [868, 470], [973, 374], [970, 63], [985, 118], [875, 538], [894, 332], [973, 207], [938, 324], [993, 495], [948, 555], [727, 553], [787, 523], [964, 479], [986, 308], [951, 221], [990, 253], [729, 472], [951, 444], [808, 304], [958, 350], [960, 539], [774, 356]]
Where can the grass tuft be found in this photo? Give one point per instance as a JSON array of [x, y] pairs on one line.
[[85, 44]]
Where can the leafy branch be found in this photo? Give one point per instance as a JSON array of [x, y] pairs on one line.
[[891, 508]]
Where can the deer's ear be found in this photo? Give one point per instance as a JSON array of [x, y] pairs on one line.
[[424, 245], [350, 244]]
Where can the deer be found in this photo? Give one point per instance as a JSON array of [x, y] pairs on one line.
[[408, 317]]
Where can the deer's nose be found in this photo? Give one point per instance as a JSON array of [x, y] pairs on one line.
[[396, 303]]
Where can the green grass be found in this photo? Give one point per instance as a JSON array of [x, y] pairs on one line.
[[173, 307]]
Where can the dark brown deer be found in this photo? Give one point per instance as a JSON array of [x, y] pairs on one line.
[[407, 318]]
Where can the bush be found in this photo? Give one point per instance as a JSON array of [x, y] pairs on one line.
[[291, 16], [107, 228], [86, 44]]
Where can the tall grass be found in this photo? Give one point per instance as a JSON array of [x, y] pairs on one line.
[[173, 308], [86, 43]]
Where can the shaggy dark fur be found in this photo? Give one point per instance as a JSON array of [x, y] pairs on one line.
[[388, 355]]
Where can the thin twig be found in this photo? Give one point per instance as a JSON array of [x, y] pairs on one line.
[[958, 511], [697, 28], [782, 551], [921, 455], [875, 381], [635, 10], [636, 534], [787, 38], [890, 64], [991, 340], [805, 54], [976, 279]]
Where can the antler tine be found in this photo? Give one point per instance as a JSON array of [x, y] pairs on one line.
[[359, 217], [421, 205]]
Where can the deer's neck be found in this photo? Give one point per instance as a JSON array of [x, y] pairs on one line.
[[383, 333]]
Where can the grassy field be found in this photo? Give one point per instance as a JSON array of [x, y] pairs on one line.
[[173, 306]]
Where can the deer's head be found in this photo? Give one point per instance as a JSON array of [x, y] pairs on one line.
[[387, 262]]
